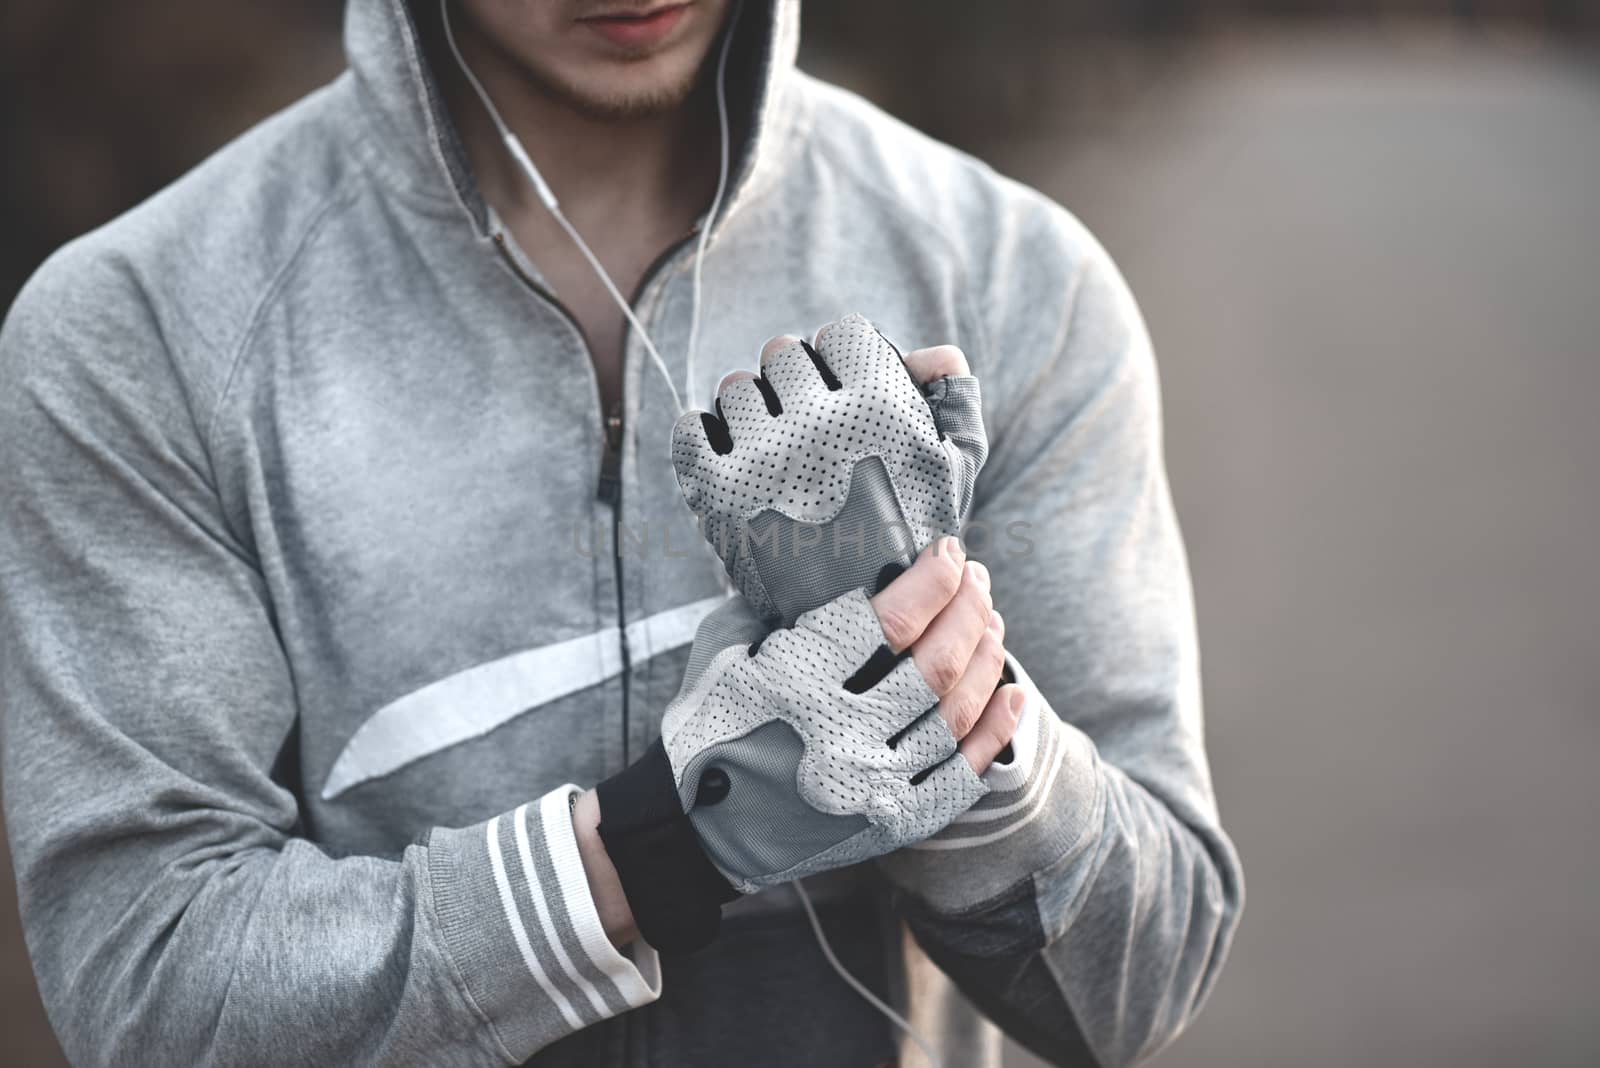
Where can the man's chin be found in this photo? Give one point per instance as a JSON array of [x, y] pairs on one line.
[[619, 101]]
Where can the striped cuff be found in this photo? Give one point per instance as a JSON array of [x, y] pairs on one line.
[[1039, 806], [515, 910]]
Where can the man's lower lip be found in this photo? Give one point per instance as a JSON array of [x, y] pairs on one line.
[[636, 32]]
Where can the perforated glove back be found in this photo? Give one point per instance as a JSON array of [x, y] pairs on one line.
[[813, 748], [820, 750], [831, 464]]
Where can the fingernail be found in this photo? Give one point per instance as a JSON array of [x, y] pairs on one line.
[[995, 620], [1016, 701], [951, 545], [980, 574]]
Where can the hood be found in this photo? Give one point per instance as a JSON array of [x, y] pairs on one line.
[[422, 153]]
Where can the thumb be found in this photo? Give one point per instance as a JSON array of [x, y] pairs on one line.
[[931, 364], [957, 406], [956, 402]]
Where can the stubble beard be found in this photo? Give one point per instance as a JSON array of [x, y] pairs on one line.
[[619, 106]]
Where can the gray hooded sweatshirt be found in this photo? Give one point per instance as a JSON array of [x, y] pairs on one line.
[[322, 591]]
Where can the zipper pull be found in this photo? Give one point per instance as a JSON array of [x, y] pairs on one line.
[[610, 489]]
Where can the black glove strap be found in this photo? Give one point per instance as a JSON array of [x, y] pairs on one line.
[[674, 890]]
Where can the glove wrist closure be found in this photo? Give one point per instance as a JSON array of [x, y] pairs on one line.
[[674, 890]]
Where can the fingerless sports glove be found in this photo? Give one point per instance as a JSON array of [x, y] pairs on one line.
[[831, 464], [812, 749]]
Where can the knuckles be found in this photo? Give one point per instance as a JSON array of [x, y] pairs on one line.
[[963, 713], [942, 668], [897, 627]]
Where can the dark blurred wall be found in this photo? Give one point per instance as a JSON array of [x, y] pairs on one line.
[[101, 104]]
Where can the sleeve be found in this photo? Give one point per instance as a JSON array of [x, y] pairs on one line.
[[168, 904], [1087, 903]]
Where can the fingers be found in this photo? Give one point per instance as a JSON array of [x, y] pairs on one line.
[[793, 367], [947, 644], [694, 435], [856, 352], [932, 364], [741, 400], [994, 729], [850, 348], [697, 431], [949, 789], [730, 393], [965, 702], [776, 345], [850, 342], [911, 602]]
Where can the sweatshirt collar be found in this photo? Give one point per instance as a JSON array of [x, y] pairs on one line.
[[420, 152]]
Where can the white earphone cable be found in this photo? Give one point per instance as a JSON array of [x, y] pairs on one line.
[[716, 201], [520, 155], [548, 198], [857, 985]]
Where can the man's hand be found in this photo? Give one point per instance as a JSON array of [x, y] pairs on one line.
[[940, 609], [838, 459], [862, 729]]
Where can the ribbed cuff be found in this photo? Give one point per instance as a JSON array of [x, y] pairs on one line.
[[674, 891], [514, 906], [1039, 806]]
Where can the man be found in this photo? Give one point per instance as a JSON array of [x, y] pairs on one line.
[[334, 546]]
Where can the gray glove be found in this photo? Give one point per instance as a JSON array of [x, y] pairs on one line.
[[808, 749], [834, 463], [819, 749]]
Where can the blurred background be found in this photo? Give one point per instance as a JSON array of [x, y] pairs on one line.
[[1366, 237]]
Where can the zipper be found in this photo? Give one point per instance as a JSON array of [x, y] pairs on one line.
[[609, 490], [611, 494]]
